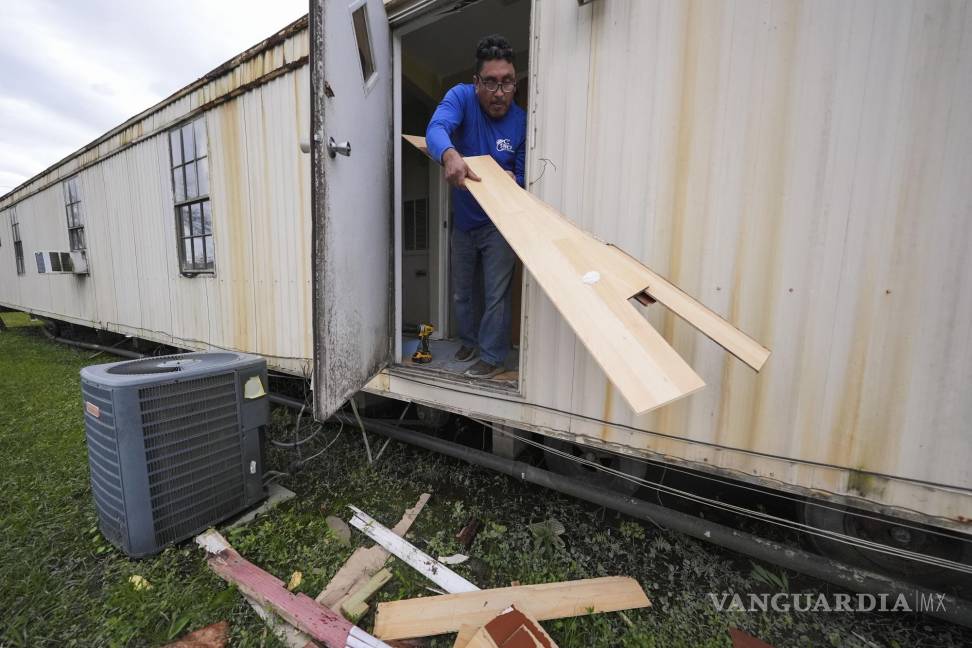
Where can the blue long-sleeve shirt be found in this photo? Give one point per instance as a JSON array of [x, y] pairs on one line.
[[460, 123]]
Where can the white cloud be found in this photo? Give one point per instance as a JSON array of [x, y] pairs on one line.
[[73, 70]]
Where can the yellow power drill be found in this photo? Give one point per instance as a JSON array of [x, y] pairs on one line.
[[423, 354]]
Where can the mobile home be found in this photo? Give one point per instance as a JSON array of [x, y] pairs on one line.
[[799, 167]]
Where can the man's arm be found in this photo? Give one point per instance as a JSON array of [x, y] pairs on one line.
[[445, 120], [438, 139]]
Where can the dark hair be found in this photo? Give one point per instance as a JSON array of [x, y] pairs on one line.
[[492, 48]]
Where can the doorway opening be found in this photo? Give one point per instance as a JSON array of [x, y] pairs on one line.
[[433, 58]]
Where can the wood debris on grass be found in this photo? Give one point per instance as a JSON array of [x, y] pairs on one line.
[[434, 615], [467, 534], [365, 563], [510, 629], [467, 605], [505, 617], [742, 639], [428, 566], [320, 623]]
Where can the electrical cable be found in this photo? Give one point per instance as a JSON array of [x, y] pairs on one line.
[[766, 517], [321, 451]]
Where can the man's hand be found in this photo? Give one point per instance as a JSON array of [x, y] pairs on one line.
[[456, 169]]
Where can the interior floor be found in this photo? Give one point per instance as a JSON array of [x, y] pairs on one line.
[[444, 364]]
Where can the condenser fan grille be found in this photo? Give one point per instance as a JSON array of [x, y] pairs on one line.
[[172, 363], [193, 452]]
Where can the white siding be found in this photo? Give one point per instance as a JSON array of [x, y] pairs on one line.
[[802, 168], [258, 301]]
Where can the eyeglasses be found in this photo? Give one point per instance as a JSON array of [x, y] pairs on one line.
[[492, 86]]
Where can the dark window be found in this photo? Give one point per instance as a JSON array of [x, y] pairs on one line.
[[361, 35], [189, 150], [18, 245], [415, 225], [72, 208]]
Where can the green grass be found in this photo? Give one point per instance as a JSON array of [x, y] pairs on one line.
[[62, 585]]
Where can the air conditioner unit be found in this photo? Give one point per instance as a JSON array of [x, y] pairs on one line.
[[175, 444], [55, 262], [79, 262]]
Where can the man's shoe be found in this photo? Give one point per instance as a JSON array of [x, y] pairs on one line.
[[483, 369], [465, 354]]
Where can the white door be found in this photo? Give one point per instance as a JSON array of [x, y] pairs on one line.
[[351, 123]]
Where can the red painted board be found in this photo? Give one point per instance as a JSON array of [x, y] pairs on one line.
[[319, 622]]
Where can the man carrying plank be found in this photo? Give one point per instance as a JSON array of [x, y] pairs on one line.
[[480, 118]]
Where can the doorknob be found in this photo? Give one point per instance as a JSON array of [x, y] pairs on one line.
[[333, 148]]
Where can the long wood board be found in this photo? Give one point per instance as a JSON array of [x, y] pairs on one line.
[[433, 615], [646, 370], [631, 277]]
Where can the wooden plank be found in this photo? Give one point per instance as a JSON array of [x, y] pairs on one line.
[[434, 615], [364, 562], [465, 635], [635, 357], [419, 143], [633, 277], [355, 606], [301, 611], [431, 568]]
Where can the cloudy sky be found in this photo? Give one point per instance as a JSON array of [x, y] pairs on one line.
[[71, 70]]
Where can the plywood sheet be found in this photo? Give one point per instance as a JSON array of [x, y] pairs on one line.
[[433, 615]]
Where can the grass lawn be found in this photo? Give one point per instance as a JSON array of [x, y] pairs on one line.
[[61, 584]]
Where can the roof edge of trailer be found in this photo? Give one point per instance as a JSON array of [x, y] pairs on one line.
[[41, 181]]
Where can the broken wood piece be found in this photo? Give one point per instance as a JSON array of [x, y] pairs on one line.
[[742, 639], [465, 634], [704, 319], [428, 566], [212, 636], [468, 533], [634, 356], [355, 606], [634, 279], [364, 562], [432, 615], [512, 628], [319, 622]]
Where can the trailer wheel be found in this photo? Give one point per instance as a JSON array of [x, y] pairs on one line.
[[575, 470], [887, 531]]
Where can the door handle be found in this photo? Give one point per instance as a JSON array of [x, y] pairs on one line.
[[421, 273], [333, 148]]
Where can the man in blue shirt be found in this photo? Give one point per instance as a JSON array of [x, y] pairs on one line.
[[480, 118]]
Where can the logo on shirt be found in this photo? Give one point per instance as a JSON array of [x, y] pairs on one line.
[[504, 145]]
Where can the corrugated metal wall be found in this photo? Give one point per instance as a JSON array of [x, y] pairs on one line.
[[259, 299], [803, 169]]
